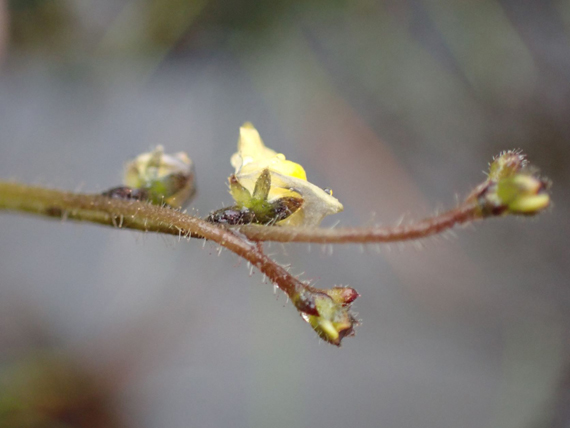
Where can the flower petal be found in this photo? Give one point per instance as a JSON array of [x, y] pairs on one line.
[[253, 156], [317, 203]]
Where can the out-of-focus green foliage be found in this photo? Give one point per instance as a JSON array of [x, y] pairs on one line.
[[45, 389], [147, 26], [42, 25]]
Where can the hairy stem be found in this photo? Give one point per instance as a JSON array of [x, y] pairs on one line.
[[146, 217], [141, 216], [130, 214], [511, 188], [465, 213], [327, 311]]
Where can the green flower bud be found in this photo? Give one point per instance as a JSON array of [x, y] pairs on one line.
[[330, 317], [522, 194], [512, 188], [167, 179]]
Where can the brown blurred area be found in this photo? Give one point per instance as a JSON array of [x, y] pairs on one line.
[[397, 105]]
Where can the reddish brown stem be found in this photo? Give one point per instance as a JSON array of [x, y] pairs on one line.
[[464, 213], [141, 216], [151, 218]]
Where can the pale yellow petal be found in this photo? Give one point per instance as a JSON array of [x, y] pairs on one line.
[[253, 156], [317, 203], [250, 147]]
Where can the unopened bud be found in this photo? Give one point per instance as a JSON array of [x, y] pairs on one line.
[[512, 188], [330, 317], [523, 194], [168, 179]]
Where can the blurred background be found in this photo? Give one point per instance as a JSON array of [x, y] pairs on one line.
[[397, 105]]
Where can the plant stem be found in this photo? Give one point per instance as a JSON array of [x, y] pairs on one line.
[[327, 311], [511, 188], [143, 216], [464, 213], [130, 214]]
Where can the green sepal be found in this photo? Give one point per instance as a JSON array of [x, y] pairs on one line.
[[262, 186], [240, 194]]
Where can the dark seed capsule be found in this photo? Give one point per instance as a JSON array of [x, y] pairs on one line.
[[125, 192], [231, 216], [284, 207]]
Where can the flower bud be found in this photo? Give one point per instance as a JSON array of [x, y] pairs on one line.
[[523, 194], [512, 188], [330, 317], [168, 179]]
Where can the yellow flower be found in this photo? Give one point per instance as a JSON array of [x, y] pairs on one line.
[[288, 179]]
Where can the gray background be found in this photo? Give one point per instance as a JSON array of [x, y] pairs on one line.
[[396, 106]]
